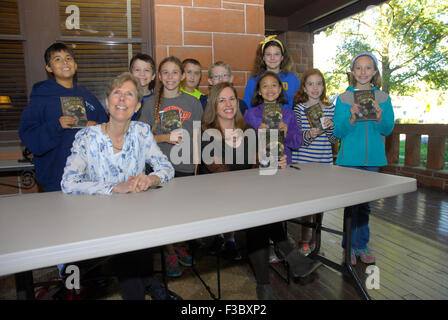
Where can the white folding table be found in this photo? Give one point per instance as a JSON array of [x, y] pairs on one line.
[[44, 229]]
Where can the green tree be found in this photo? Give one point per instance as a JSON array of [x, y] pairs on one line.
[[408, 37]]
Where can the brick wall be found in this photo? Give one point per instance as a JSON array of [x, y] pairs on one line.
[[300, 47], [211, 30]]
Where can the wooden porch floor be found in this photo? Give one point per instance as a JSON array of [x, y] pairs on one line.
[[409, 234]]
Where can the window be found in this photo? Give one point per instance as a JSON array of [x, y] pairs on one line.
[[12, 76], [104, 35]]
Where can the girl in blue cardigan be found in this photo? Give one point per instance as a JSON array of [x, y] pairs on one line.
[[362, 145]]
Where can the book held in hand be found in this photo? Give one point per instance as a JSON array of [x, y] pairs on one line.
[[272, 114], [315, 116], [272, 141], [170, 120], [365, 99], [75, 107]]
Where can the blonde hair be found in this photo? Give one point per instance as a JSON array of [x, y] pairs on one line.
[[119, 80], [210, 117], [376, 79], [219, 64]]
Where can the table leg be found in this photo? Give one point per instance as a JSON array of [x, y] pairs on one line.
[[218, 276], [24, 285], [348, 246]]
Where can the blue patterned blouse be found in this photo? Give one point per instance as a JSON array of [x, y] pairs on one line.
[[94, 168]]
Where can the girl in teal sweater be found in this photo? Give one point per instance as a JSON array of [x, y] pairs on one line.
[[362, 144]]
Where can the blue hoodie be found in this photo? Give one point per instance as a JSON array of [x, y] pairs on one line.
[[42, 133]]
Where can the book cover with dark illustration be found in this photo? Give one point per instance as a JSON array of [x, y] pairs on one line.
[[75, 107], [170, 120], [272, 114], [314, 115], [365, 99]]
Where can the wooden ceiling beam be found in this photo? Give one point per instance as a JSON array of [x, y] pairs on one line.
[[315, 10], [316, 15], [339, 15]]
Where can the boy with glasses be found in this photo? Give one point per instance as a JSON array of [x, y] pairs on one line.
[[222, 72]]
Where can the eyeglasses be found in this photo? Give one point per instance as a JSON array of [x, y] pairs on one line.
[[221, 76]]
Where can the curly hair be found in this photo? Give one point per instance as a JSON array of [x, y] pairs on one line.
[[260, 65]]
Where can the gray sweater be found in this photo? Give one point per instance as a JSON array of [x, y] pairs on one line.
[[190, 110]]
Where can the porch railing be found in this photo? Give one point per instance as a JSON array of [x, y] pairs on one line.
[[436, 133], [432, 174]]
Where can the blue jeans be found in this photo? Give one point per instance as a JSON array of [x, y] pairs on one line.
[[360, 220]]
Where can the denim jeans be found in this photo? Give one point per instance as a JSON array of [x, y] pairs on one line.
[[360, 220]]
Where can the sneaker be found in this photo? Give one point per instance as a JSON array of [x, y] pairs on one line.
[[172, 266], [162, 293], [352, 257], [231, 251], [272, 256], [158, 292], [304, 248], [184, 258], [217, 245], [299, 265], [366, 255]]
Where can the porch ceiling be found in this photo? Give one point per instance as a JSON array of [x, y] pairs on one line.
[[310, 15]]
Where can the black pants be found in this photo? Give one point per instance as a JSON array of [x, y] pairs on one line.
[[178, 174], [258, 247], [135, 272]]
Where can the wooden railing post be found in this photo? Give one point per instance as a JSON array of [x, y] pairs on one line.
[[412, 150], [436, 152], [393, 148]]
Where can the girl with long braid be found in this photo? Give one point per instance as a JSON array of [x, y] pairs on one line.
[[169, 97]]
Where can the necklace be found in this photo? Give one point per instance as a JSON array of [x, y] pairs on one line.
[[113, 146]]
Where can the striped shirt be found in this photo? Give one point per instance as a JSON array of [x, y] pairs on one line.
[[319, 148]]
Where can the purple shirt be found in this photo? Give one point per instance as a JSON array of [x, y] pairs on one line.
[[293, 139]]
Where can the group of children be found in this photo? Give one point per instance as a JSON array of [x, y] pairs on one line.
[[49, 134]]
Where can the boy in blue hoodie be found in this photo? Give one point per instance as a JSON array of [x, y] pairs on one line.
[[43, 128]]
